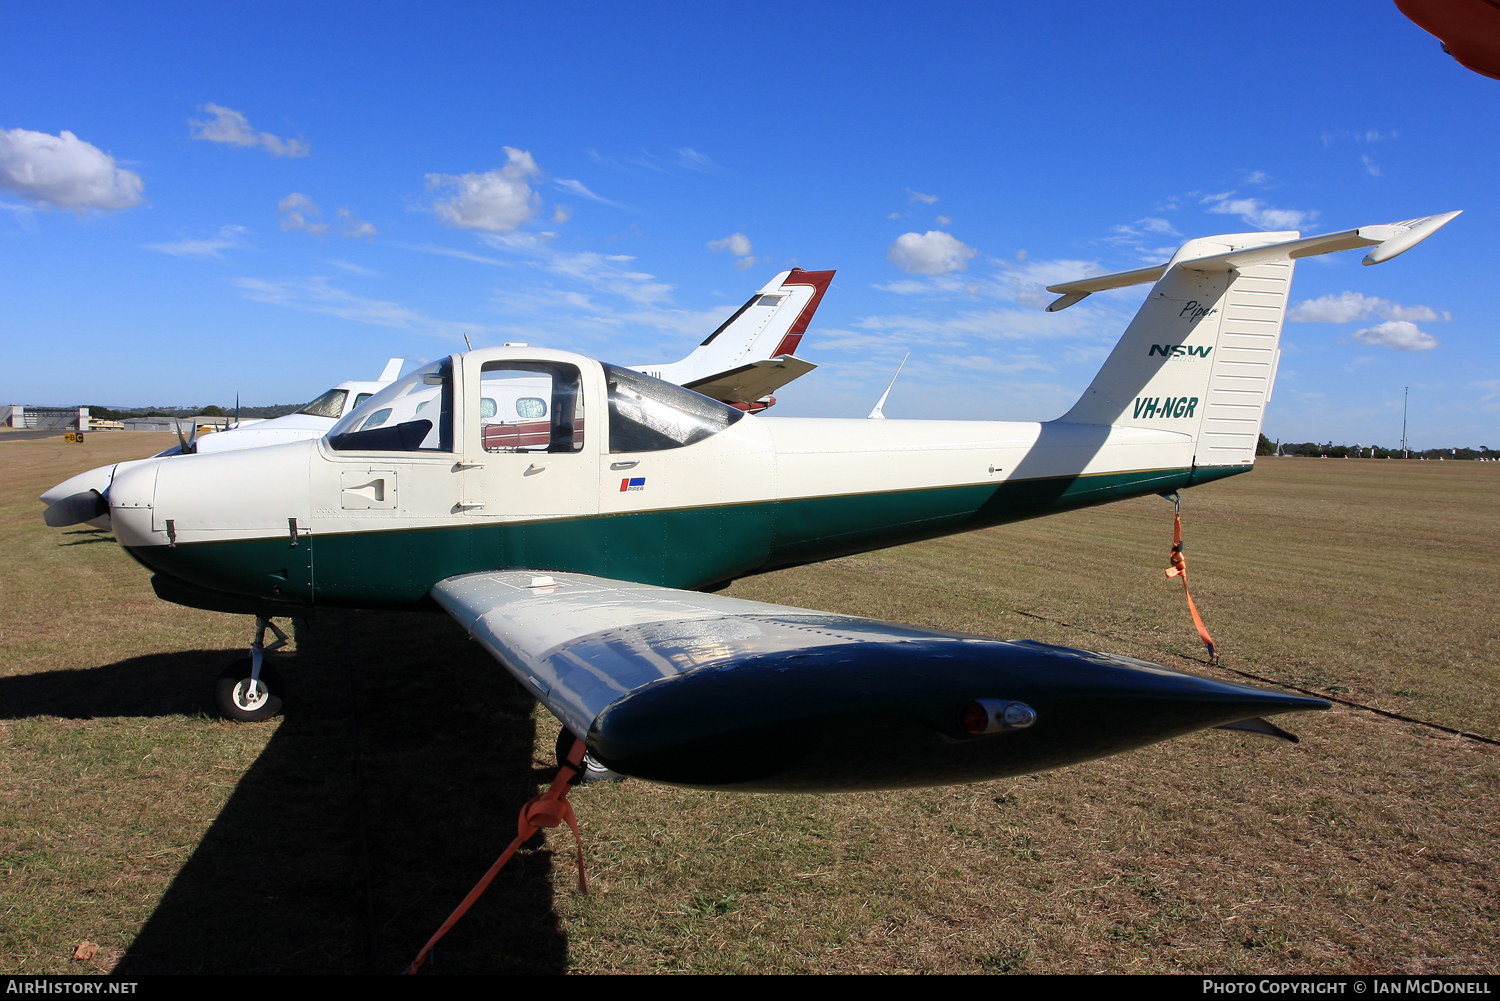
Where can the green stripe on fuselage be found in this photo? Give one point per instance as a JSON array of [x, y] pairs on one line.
[[683, 547]]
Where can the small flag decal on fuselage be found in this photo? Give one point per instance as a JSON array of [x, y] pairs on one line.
[[632, 483]]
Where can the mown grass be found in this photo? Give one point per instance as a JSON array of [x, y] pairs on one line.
[[336, 838]]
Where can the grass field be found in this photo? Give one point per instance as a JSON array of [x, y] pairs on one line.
[[337, 838]]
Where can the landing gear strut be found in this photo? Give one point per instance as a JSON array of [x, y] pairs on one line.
[[250, 689]]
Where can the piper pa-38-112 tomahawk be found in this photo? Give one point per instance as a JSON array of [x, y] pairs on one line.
[[579, 529], [749, 357]]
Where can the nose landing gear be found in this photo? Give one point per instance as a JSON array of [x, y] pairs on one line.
[[250, 690]]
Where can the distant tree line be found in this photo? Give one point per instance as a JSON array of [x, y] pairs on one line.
[[1315, 450], [116, 414]]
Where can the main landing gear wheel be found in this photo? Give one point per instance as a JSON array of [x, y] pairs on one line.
[[592, 770], [241, 702]]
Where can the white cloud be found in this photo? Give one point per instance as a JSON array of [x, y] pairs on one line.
[[229, 236], [1371, 167], [578, 188], [1153, 225], [294, 210], [561, 215], [1257, 213], [1399, 335], [737, 244], [496, 201], [693, 160], [356, 228], [232, 127], [1348, 306], [463, 255], [943, 220], [932, 253], [917, 196], [66, 172], [315, 295]]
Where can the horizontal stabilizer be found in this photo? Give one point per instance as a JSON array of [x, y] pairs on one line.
[[751, 382], [1242, 251], [1076, 291], [713, 691]]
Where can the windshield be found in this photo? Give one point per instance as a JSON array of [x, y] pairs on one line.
[[330, 404], [413, 414], [649, 415]]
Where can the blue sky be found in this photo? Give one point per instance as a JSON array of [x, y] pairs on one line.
[[266, 199]]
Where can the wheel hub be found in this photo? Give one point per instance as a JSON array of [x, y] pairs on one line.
[[250, 700]]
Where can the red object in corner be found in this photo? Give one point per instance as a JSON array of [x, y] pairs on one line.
[[1468, 29]]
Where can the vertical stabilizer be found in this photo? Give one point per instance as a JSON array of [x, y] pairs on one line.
[[1201, 355]]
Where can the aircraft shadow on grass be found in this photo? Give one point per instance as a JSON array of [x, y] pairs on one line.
[[283, 881]]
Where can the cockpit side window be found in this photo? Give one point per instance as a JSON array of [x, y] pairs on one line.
[[413, 414], [649, 415], [530, 406], [330, 404]]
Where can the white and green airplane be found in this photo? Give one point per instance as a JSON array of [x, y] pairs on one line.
[[576, 518]]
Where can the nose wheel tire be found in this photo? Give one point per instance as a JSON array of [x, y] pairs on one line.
[[241, 702], [592, 770]]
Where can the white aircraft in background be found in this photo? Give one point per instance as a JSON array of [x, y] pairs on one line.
[[312, 421], [749, 356]]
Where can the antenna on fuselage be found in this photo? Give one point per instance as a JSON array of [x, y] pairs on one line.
[[466, 341], [878, 414]]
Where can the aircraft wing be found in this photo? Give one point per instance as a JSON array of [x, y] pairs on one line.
[[752, 382], [711, 691]]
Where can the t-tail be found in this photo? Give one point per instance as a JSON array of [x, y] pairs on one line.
[[1200, 357], [752, 354]]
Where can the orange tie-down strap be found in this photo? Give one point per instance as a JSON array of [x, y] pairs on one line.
[[1179, 569], [547, 810]]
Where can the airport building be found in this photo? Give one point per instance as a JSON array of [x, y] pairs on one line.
[[78, 419]]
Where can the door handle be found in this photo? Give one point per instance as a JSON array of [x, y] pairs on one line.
[[467, 505], [628, 464]]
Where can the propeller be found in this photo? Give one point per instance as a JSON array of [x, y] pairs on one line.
[[76, 509], [190, 443]]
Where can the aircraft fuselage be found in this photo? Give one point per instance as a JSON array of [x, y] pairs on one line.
[[275, 529]]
